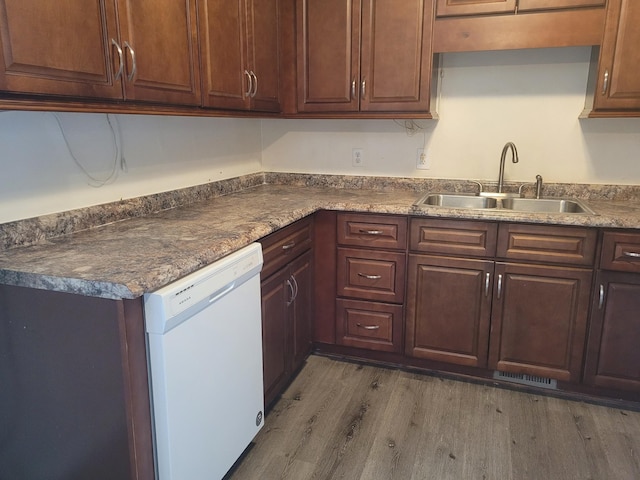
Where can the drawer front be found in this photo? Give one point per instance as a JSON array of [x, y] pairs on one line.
[[372, 231], [371, 275], [371, 325], [281, 247], [541, 243], [620, 252], [453, 237]]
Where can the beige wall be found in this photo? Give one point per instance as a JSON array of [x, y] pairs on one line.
[[162, 153], [530, 97]]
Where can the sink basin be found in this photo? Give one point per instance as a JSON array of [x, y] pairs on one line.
[[545, 205], [510, 203], [459, 200]]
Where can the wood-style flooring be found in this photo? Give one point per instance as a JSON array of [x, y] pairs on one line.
[[341, 420]]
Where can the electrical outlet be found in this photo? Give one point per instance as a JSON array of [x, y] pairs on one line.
[[422, 162], [357, 157]]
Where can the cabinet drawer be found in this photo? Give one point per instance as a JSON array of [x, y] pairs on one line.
[[372, 231], [371, 325], [371, 275], [281, 247], [453, 237], [542, 243], [620, 252]]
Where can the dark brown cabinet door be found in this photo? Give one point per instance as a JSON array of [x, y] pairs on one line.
[[239, 50], [396, 55], [539, 320], [275, 297], [448, 309], [618, 84], [613, 356], [328, 42], [160, 49], [223, 33], [301, 275], [59, 48], [264, 53]]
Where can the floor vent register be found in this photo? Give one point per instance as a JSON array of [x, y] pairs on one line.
[[525, 379]]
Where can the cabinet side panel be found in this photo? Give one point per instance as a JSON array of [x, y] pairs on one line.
[[63, 411], [324, 327]]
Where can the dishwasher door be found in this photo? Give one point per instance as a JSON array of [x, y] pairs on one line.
[[204, 339]]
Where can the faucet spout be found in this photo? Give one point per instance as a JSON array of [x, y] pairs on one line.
[[514, 158]]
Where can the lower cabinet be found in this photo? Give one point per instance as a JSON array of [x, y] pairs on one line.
[[370, 281], [539, 320], [449, 309], [523, 318], [613, 356], [287, 289], [613, 353]]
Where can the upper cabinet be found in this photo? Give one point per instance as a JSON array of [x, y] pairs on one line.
[[617, 84], [475, 25], [364, 55], [160, 51], [240, 54], [59, 48], [144, 50], [482, 7]]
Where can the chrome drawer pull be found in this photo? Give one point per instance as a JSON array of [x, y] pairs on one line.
[[368, 327], [371, 232], [605, 83], [487, 283], [499, 286], [631, 254], [369, 277], [289, 245]]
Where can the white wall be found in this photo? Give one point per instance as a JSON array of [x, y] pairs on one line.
[[162, 153], [530, 97]]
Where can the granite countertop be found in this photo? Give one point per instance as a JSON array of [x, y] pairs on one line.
[[125, 259]]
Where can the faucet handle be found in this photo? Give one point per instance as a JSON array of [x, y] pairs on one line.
[[538, 186]]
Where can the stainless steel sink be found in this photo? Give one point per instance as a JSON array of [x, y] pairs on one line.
[[501, 202], [457, 200], [545, 205]]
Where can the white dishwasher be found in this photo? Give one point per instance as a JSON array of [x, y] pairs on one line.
[[204, 341]]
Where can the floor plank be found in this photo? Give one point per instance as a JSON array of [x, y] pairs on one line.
[[342, 420]]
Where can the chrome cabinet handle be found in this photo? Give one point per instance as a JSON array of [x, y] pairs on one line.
[[371, 232], [255, 83], [631, 254], [605, 84], [369, 277], [363, 88], [601, 298], [368, 327], [499, 286], [134, 67], [119, 50], [487, 283], [289, 245], [293, 293], [353, 89], [249, 84]]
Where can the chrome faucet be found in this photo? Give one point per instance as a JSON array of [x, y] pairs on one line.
[[514, 159]]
